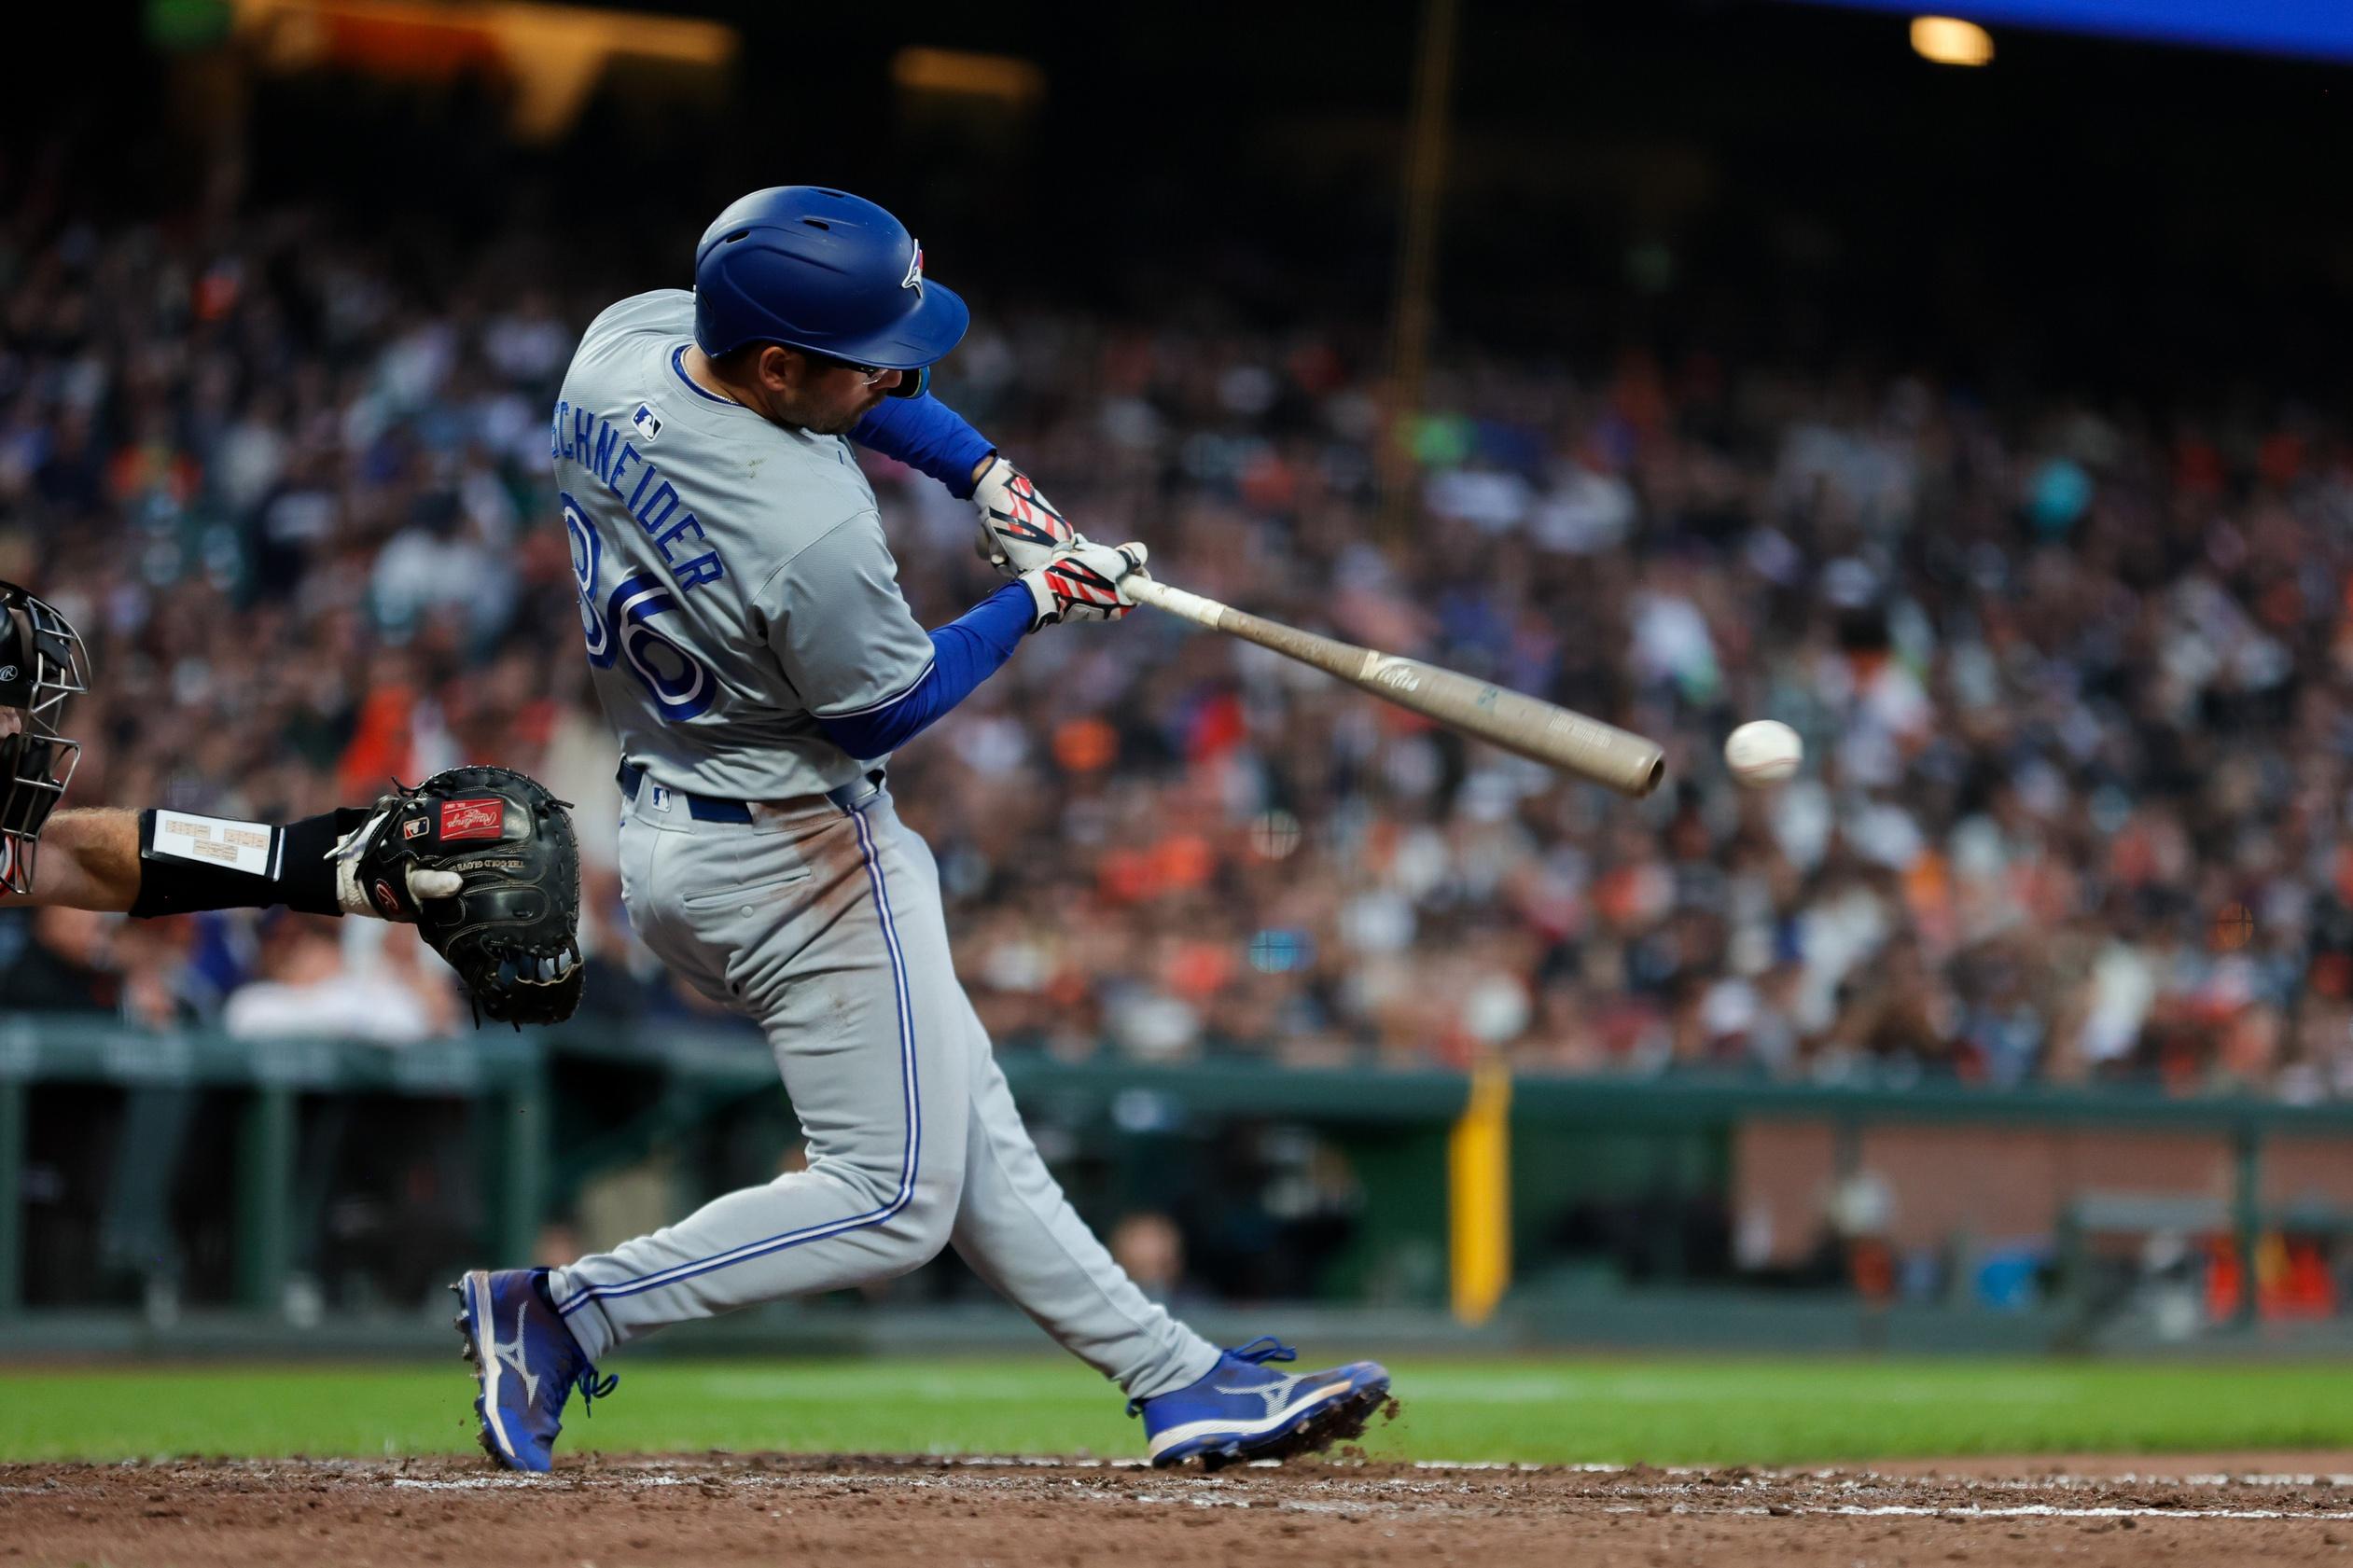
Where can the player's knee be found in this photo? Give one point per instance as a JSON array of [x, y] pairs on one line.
[[919, 1230], [906, 1222]]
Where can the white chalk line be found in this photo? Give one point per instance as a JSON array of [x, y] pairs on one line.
[[1846, 1510], [1380, 1495], [360, 1469], [1173, 1495], [1972, 1510]]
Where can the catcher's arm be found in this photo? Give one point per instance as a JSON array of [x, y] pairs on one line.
[[105, 859], [88, 859], [140, 862], [482, 861]]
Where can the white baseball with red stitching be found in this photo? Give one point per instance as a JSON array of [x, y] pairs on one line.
[[1764, 752]]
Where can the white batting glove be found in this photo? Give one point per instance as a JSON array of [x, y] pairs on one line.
[[1085, 584], [1020, 529], [358, 900]]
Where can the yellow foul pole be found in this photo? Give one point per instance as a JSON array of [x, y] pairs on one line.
[[1479, 1195]]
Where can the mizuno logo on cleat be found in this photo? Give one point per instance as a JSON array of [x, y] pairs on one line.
[[1275, 1393], [514, 1360]]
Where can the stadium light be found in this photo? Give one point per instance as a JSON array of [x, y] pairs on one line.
[[1013, 82], [1951, 41], [553, 54]]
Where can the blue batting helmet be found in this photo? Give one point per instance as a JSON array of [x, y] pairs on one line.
[[822, 269]]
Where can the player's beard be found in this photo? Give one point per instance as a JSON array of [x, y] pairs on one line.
[[820, 419], [841, 424]]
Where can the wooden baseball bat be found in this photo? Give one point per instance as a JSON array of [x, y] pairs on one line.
[[1529, 726]]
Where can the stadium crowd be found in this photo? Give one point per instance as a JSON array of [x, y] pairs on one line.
[[2077, 682]]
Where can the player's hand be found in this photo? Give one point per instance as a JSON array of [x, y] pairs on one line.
[[1086, 583], [357, 897], [1020, 529]]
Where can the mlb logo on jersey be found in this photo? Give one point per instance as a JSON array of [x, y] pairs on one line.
[[648, 420]]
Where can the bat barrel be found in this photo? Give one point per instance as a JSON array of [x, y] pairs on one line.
[[1532, 727], [1542, 731]]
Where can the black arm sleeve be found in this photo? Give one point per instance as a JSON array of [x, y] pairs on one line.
[[302, 878]]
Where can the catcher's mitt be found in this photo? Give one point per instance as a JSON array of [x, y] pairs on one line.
[[483, 862]]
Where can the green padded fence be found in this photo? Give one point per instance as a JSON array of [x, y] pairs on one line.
[[1570, 1135]]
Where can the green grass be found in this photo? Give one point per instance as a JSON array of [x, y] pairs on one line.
[[1664, 1411]]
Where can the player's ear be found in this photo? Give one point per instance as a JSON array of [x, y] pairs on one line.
[[779, 369]]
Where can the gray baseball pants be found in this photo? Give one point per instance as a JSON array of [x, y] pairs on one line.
[[825, 927]]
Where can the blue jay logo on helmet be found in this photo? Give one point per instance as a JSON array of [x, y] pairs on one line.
[[914, 278]]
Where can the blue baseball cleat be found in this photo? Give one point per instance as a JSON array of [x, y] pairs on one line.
[[1245, 1409], [525, 1362]]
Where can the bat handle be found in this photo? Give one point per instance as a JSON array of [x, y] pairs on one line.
[[1176, 601]]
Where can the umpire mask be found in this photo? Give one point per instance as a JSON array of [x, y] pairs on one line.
[[41, 665]]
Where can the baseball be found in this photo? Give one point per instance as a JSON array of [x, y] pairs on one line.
[[1764, 752]]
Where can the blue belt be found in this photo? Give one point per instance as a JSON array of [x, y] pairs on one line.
[[703, 808]]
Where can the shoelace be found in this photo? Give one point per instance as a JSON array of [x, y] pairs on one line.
[[1258, 1353], [593, 1388]]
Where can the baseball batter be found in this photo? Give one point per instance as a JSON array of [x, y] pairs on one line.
[[742, 615]]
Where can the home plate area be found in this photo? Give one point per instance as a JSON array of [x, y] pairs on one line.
[[613, 1511]]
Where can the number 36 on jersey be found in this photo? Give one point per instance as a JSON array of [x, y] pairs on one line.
[[618, 626]]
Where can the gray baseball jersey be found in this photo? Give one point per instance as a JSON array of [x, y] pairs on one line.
[[734, 580], [733, 583]]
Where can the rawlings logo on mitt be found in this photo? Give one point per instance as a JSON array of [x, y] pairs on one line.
[[483, 863]]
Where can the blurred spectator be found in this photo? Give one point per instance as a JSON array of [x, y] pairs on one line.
[[62, 968], [306, 987], [1152, 1249]]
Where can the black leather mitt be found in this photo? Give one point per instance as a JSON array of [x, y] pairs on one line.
[[510, 926]]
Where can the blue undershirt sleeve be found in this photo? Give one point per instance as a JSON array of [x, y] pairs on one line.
[[928, 437], [965, 652]]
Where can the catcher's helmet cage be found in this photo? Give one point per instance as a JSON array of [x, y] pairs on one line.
[[818, 269], [41, 665]]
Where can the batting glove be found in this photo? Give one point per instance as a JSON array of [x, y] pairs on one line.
[[358, 899], [1020, 529], [1084, 584]]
